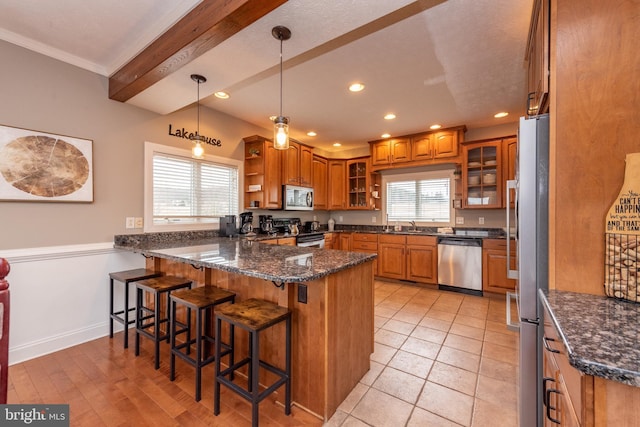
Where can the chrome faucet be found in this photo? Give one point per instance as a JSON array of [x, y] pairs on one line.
[[413, 225]]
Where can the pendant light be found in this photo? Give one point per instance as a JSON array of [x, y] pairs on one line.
[[281, 123], [198, 151]]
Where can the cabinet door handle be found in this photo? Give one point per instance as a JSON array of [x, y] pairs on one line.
[[545, 380], [545, 342], [549, 407]]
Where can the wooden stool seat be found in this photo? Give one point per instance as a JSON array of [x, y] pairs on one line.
[[122, 316], [151, 317], [202, 300], [252, 315]]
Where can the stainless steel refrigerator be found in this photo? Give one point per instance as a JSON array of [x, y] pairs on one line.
[[531, 237]]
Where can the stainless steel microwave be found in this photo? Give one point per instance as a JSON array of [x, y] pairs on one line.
[[296, 198]]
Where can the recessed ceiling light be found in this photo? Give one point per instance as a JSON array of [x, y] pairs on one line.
[[385, 135], [434, 127], [356, 87], [311, 133], [222, 95], [389, 116], [337, 144], [501, 115]]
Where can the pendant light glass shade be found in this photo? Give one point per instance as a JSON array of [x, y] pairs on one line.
[[281, 123], [197, 151], [281, 133]]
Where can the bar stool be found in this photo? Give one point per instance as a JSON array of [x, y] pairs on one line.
[[151, 317], [254, 316], [122, 316], [203, 300]]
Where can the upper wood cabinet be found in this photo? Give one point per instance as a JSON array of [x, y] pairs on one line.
[[537, 57], [358, 183], [438, 145], [262, 174], [390, 151], [320, 181], [298, 165], [337, 198], [417, 149]]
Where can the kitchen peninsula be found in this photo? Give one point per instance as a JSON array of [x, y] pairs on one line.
[[330, 293]]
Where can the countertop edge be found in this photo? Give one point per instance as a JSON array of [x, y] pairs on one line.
[[584, 364], [364, 257]]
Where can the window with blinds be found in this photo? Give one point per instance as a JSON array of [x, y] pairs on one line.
[[420, 200], [191, 191]]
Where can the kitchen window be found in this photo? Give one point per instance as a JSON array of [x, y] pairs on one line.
[[421, 197], [182, 193]]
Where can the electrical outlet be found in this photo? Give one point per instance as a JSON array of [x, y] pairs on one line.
[[340, 218], [130, 222], [459, 220], [315, 217], [373, 219], [138, 222], [481, 220]]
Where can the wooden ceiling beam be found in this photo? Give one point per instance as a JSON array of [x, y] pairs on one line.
[[206, 26]]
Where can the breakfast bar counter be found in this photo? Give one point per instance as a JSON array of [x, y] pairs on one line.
[[329, 292]]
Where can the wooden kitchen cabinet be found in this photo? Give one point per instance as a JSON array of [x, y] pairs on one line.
[[391, 151], [391, 256], [494, 266], [482, 182], [537, 57], [344, 241], [509, 152], [283, 241], [422, 259], [436, 145], [329, 240], [320, 182], [409, 257], [262, 174], [358, 183], [337, 197], [366, 242], [298, 165]]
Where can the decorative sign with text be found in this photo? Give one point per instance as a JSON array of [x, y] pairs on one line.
[[622, 237], [185, 134]]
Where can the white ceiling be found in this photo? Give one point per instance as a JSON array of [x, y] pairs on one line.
[[451, 62]]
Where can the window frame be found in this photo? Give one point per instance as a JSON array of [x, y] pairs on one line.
[[150, 149], [395, 176]]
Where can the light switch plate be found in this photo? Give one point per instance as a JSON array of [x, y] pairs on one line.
[[459, 220], [138, 223]]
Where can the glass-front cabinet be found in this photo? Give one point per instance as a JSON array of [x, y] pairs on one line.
[[482, 174], [358, 184]]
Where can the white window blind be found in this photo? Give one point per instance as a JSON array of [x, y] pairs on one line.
[[190, 191], [420, 200]]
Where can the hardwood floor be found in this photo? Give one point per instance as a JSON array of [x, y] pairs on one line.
[[106, 385]]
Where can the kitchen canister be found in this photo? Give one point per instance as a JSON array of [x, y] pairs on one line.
[[332, 224], [622, 237]]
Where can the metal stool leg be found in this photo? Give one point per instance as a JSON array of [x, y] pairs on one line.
[[125, 314], [216, 383], [172, 369], [254, 376], [110, 308]]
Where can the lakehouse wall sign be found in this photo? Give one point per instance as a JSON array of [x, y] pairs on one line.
[[185, 134], [622, 237]]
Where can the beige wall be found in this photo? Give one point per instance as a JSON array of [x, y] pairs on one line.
[[47, 95]]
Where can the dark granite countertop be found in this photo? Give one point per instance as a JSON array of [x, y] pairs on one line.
[[600, 334], [243, 256]]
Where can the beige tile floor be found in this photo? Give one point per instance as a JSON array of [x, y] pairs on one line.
[[441, 359]]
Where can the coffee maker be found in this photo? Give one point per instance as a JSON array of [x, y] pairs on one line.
[[266, 224], [228, 226], [246, 222]]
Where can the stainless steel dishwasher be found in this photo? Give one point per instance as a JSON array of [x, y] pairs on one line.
[[460, 265]]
